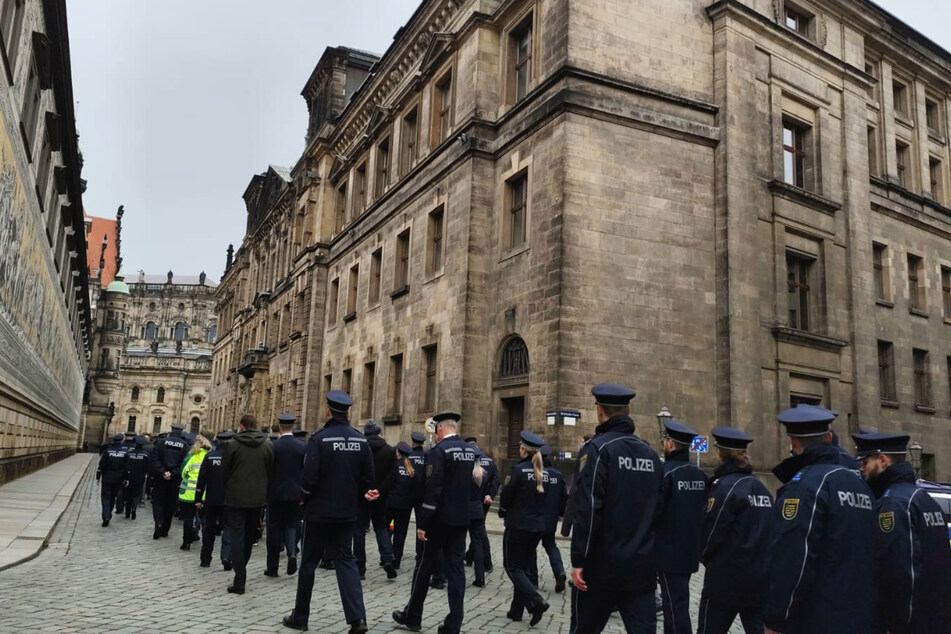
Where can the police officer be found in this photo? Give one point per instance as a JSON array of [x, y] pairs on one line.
[[211, 495], [823, 521], [135, 478], [113, 463], [556, 499], [384, 472], [167, 458], [522, 505], [338, 472], [735, 539], [400, 501], [283, 497], [912, 554], [482, 500], [618, 499], [677, 544], [443, 522], [128, 444]]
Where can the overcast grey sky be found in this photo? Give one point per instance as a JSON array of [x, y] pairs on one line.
[[180, 102]]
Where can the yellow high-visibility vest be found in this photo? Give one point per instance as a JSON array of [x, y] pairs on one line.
[[186, 492]]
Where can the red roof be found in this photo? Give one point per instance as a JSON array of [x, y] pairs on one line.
[[101, 229]]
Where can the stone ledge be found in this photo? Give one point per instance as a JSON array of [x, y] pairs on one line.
[[803, 197], [808, 339]]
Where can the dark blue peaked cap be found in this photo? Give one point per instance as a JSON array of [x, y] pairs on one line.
[[418, 437], [545, 450], [444, 416], [730, 438], [225, 435], [338, 400], [874, 442], [531, 440], [299, 433], [678, 431], [404, 448], [286, 419], [612, 395], [806, 420]]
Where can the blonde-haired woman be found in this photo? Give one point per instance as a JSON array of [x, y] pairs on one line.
[[522, 504], [186, 492], [735, 540]]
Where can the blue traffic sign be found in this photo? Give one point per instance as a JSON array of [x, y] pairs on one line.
[[699, 444]]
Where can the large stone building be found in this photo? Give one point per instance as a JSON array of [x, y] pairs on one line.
[[152, 362], [734, 206], [44, 309]]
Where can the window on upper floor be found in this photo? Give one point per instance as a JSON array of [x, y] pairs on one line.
[[44, 156], [442, 108], [797, 162], [332, 301], [181, 331], [900, 98], [160, 395], [135, 394], [901, 164], [871, 69], [382, 167], [799, 288], [520, 59], [933, 116], [409, 140], [946, 291], [376, 266], [369, 385], [11, 25], [886, 371], [401, 266], [916, 286], [922, 369], [131, 425], [936, 178], [430, 383], [347, 380], [516, 206], [340, 207], [434, 243], [798, 20], [30, 109], [874, 168], [151, 331], [353, 290], [212, 334], [360, 189], [395, 395], [880, 269]]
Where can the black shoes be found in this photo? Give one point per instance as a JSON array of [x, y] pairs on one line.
[[515, 616], [479, 583], [400, 617], [442, 629], [205, 564], [270, 573], [439, 584], [291, 565], [390, 570], [133, 515], [538, 613], [105, 523], [185, 546], [326, 564], [236, 589], [294, 625], [226, 564], [358, 627], [560, 583], [157, 533]]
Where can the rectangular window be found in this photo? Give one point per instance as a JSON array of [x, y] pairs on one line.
[[933, 116], [442, 108], [435, 248], [401, 268], [797, 20], [360, 189], [915, 286], [43, 172], [873, 168], [376, 264], [879, 257], [798, 269], [409, 140], [900, 98], [31, 108], [11, 23], [340, 207], [901, 158], [922, 378], [946, 291], [521, 44], [395, 396], [429, 381], [934, 172], [332, 301], [794, 152], [886, 371], [382, 167], [871, 70], [131, 426], [328, 383], [517, 190], [347, 380], [369, 381], [352, 289], [156, 426]]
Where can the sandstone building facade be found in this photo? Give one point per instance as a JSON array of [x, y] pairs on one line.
[[734, 206], [45, 319]]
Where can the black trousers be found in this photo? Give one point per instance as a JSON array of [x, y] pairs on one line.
[[188, 521], [477, 539], [486, 548], [243, 524], [518, 557], [444, 545], [554, 553], [400, 519], [215, 522], [590, 610], [717, 618], [283, 519], [133, 497], [371, 513], [334, 538], [675, 593], [107, 495], [164, 499]]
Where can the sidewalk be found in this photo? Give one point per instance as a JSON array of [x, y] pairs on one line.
[[31, 506]]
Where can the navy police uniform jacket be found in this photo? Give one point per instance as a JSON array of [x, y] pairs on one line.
[[418, 458], [403, 494], [113, 463], [489, 486], [556, 498], [677, 544], [338, 471], [520, 502], [912, 556], [735, 538], [284, 483], [138, 466], [210, 488], [618, 501], [168, 455], [822, 572], [448, 491]]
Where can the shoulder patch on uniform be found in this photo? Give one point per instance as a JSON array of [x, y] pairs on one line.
[[710, 503], [581, 463], [797, 477], [508, 479], [790, 508], [429, 470], [886, 521]]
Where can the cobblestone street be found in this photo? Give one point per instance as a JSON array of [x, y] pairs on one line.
[[117, 579]]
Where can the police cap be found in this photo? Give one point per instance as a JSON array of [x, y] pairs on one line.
[[117, 437], [177, 426], [545, 451], [130, 433], [273, 437], [874, 443], [404, 448], [444, 416], [339, 401], [730, 438], [372, 428], [418, 437], [678, 431], [806, 420], [472, 439], [612, 395], [531, 441], [286, 419], [299, 433], [227, 434]]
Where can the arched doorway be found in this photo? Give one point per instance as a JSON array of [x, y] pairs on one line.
[[510, 385]]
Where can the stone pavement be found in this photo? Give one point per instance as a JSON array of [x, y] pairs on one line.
[[117, 579]]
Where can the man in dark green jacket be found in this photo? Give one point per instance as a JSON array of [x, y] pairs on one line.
[[247, 463]]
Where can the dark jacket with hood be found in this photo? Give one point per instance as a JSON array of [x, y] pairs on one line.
[[247, 462], [384, 464]]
